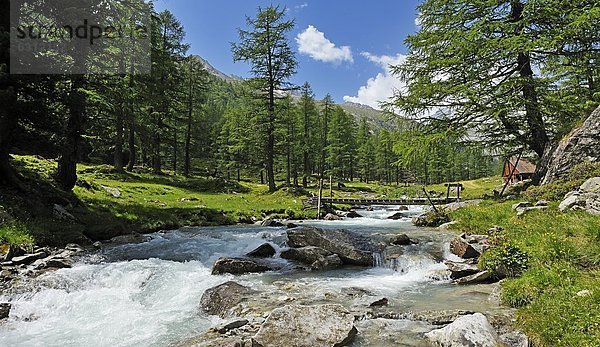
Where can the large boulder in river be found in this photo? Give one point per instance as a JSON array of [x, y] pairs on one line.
[[352, 248], [263, 251], [307, 326], [219, 300], [583, 144], [431, 219], [460, 270], [467, 331], [398, 216], [402, 240], [305, 255], [317, 258], [238, 266]]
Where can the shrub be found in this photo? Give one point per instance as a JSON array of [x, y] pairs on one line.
[[504, 260]]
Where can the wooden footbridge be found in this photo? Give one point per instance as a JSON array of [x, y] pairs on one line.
[[316, 202]]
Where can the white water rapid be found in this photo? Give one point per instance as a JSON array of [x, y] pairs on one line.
[[148, 294]]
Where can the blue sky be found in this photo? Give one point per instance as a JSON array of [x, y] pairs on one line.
[[343, 47]]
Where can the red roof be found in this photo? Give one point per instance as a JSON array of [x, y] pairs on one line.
[[524, 166]]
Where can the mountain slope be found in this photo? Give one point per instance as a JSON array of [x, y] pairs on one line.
[[215, 72], [377, 119]]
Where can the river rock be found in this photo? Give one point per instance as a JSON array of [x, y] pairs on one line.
[[305, 255], [583, 144], [4, 310], [133, 238], [353, 214], [6, 275], [238, 266], [480, 277], [463, 249], [430, 219], [460, 270], [58, 263], [234, 324], [219, 300], [327, 263], [307, 326], [352, 248], [13, 251], [398, 216], [402, 240], [332, 217], [379, 303], [74, 248], [263, 251], [467, 331], [270, 223], [437, 317], [28, 258]]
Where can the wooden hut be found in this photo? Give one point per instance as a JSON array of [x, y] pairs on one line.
[[516, 170]]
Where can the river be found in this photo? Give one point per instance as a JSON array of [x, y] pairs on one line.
[[148, 294]]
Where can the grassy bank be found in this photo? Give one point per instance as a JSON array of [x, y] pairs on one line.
[[105, 204], [563, 259]]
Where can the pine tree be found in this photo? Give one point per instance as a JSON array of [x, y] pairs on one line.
[[266, 47], [477, 65]]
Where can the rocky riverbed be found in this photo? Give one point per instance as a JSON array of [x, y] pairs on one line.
[[369, 281]]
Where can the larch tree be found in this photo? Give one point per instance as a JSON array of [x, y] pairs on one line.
[[480, 65], [266, 47]]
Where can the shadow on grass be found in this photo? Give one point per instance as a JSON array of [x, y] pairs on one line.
[[95, 220], [194, 184]]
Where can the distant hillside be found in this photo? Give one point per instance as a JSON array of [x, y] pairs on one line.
[[376, 118], [213, 71]]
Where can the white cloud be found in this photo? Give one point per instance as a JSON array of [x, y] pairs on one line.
[[301, 6], [381, 87], [313, 43]]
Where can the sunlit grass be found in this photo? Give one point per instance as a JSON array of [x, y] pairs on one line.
[[564, 259]]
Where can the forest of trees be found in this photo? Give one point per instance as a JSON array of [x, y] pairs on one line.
[[181, 120], [520, 74]]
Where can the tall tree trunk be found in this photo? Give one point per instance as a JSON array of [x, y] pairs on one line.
[[288, 175], [118, 155], [538, 137], [270, 150], [132, 151], [156, 143], [175, 149], [67, 163], [188, 133], [131, 117]]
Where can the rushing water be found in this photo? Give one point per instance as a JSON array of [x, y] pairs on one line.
[[147, 294]]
